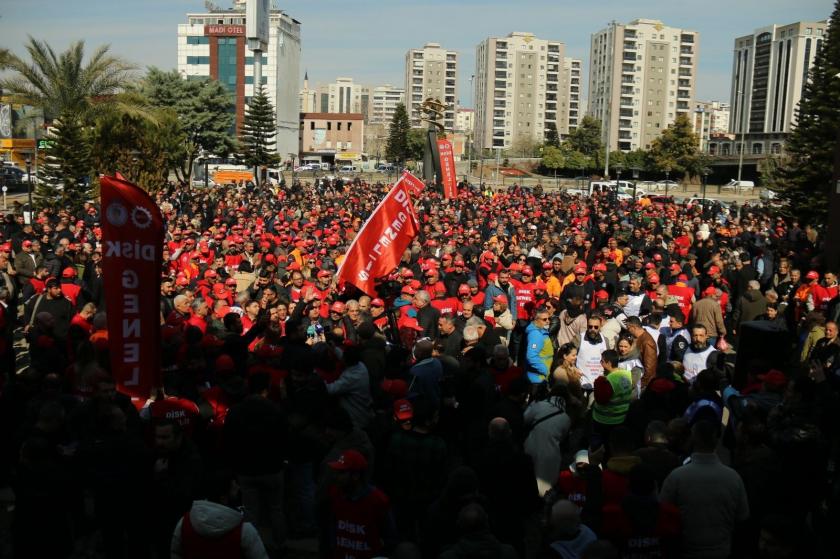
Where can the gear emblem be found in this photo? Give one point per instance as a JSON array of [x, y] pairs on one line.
[[141, 217], [116, 214]]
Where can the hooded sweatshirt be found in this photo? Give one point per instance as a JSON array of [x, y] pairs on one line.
[[211, 522]]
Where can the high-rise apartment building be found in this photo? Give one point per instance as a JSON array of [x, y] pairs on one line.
[[523, 87], [431, 72], [383, 102], [769, 72], [212, 45], [641, 76], [344, 96]]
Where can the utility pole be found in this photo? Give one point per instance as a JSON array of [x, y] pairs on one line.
[[743, 145]]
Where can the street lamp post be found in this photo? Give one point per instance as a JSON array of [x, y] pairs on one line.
[[667, 180], [706, 172], [29, 184], [741, 153], [635, 180], [294, 155]]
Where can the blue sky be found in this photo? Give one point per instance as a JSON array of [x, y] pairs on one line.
[[367, 39]]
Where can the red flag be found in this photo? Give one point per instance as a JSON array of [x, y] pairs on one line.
[[447, 169], [132, 239], [415, 185], [379, 244]]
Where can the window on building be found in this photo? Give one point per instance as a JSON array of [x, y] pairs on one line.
[[329, 125], [198, 40], [312, 125], [338, 126]]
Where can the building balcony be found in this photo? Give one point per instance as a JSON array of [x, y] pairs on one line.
[[685, 72], [629, 56], [630, 45], [628, 79], [629, 33], [684, 61], [687, 38], [684, 83], [686, 50], [627, 91], [625, 124], [624, 135], [628, 68], [682, 105], [626, 102], [625, 112]]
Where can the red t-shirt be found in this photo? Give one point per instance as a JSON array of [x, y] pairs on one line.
[[184, 411], [359, 523], [524, 297], [618, 527], [572, 487]]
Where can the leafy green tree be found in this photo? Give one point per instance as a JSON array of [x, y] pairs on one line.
[[258, 131], [586, 139], [553, 158], [62, 84], [676, 148], [65, 175], [203, 120], [637, 158], [803, 180], [397, 149]]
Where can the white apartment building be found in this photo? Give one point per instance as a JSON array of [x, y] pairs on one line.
[[465, 120], [710, 120], [383, 102], [769, 72], [641, 76], [212, 45], [343, 96], [523, 86], [431, 71]]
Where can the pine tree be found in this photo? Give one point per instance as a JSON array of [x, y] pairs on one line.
[[65, 179], [258, 132], [804, 177], [398, 149], [551, 137]]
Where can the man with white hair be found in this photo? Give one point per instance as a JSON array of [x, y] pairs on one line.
[[427, 315], [750, 305]]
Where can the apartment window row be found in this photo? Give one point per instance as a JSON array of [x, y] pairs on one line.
[[194, 40], [198, 60]]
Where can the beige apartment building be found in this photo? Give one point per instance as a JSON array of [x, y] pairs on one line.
[[383, 102], [431, 71], [641, 76], [326, 136], [523, 86]]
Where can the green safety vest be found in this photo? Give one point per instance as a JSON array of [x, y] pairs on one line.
[[614, 411]]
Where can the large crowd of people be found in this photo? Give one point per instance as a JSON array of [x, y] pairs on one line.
[[541, 376]]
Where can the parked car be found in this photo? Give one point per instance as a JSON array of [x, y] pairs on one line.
[[308, 167], [767, 195], [386, 168], [666, 185], [12, 178], [348, 169], [739, 185]]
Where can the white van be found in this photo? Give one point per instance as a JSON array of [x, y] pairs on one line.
[[348, 169], [739, 185]]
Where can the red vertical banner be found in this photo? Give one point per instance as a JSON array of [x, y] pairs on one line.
[[132, 245], [447, 169], [378, 246]]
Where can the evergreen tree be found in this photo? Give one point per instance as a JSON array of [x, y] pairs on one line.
[[551, 137], [258, 131], [65, 177], [398, 148], [586, 139], [804, 177]]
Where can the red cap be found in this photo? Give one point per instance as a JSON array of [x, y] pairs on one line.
[[182, 282], [774, 378], [653, 278], [403, 411], [657, 257], [350, 460], [230, 282], [713, 270], [812, 275], [599, 267], [675, 267], [210, 273], [527, 271], [580, 268], [68, 272], [500, 298], [540, 285], [224, 363], [682, 277], [407, 290], [406, 273], [463, 289], [601, 294], [377, 302], [709, 291], [324, 274], [27, 243], [547, 266], [293, 266], [337, 307], [650, 266], [409, 322]]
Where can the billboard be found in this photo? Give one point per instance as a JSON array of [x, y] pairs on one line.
[[256, 23]]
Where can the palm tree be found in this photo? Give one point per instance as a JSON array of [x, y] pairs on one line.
[[62, 84]]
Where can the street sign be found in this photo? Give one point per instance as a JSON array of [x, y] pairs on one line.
[[45, 144]]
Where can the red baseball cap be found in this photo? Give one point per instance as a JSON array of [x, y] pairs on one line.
[[349, 461], [409, 322], [774, 378], [463, 289], [337, 307], [713, 270], [500, 298], [68, 272], [547, 266], [527, 271], [403, 410], [324, 274], [812, 275], [407, 290], [599, 267], [602, 294], [377, 302]]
